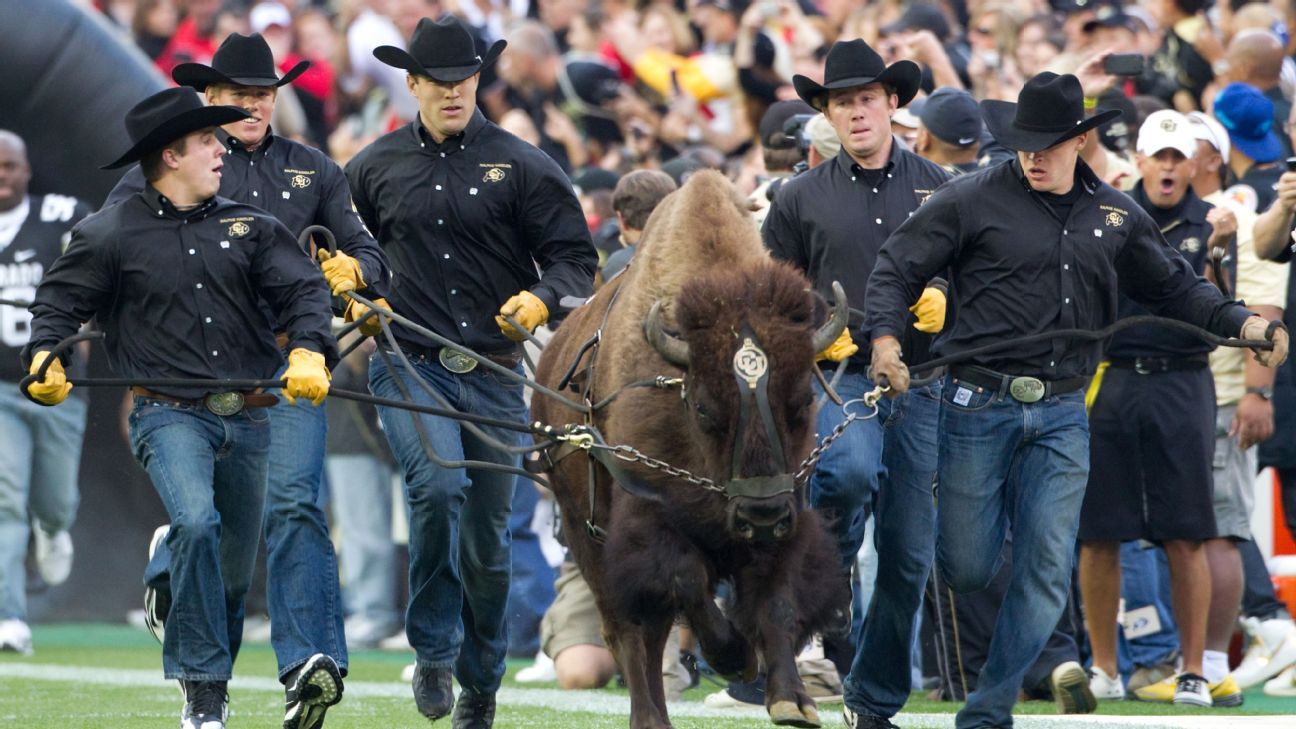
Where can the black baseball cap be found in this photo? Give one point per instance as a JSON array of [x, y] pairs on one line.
[[952, 116], [771, 123]]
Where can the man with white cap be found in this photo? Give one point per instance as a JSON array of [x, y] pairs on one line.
[[1152, 398]]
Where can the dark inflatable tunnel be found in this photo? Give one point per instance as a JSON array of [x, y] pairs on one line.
[[67, 78]]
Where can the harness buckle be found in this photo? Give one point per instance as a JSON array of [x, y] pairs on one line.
[[583, 441]]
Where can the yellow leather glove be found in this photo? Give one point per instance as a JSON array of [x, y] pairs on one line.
[[527, 309], [930, 310], [306, 377], [356, 311], [341, 271], [54, 388], [887, 363], [841, 348]]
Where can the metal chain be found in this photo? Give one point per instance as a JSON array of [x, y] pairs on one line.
[[631, 454], [870, 400]]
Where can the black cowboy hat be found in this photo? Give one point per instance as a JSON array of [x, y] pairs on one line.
[[242, 60], [854, 63], [1049, 111], [441, 50], [167, 116]]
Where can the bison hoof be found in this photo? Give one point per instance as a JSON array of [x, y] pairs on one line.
[[787, 713]]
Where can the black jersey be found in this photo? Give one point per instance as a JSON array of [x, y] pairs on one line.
[[40, 240]]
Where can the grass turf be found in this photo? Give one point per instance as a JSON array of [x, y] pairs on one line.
[[126, 692]]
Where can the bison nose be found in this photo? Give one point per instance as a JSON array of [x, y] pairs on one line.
[[763, 520]]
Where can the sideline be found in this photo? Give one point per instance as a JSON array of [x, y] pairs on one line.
[[604, 704]]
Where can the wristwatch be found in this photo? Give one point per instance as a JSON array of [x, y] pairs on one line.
[[1265, 393]]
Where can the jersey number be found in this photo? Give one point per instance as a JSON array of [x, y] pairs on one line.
[[15, 323]]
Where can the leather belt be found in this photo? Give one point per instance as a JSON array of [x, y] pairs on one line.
[[1022, 388], [1157, 365], [219, 403], [456, 361]]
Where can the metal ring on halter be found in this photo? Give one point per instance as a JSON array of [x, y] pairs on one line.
[[846, 409]]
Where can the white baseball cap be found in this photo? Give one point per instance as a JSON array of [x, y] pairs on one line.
[[267, 14], [1166, 130], [1205, 127]]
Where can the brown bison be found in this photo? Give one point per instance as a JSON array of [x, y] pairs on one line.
[[741, 426]]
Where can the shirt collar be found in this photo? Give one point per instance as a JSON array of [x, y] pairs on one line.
[[424, 138], [160, 206], [1084, 175], [848, 164], [233, 145], [1191, 209]]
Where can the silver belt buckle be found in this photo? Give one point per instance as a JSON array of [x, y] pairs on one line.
[[224, 404], [1026, 389], [456, 361]]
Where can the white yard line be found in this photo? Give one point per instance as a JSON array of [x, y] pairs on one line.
[[604, 704]]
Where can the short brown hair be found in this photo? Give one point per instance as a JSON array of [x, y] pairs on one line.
[[151, 164], [638, 193]]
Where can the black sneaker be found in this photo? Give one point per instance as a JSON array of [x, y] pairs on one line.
[[473, 711], [206, 704], [864, 721], [157, 603], [309, 691], [433, 694]]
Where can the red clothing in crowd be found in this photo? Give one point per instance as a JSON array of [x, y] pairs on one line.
[[186, 46]]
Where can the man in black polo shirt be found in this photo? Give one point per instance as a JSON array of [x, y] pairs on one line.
[[830, 223], [300, 186], [1035, 244], [175, 276], [1152, 429], [478, 224]]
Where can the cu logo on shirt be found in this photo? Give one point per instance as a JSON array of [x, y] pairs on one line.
[[300, 181], [1115, 220], [238, 230], [494, 174]]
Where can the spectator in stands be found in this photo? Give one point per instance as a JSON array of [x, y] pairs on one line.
[[1255, 57], [1256, 154], [153, 24], [633, 200]]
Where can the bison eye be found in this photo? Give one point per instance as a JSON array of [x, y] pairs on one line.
[[706, 420]]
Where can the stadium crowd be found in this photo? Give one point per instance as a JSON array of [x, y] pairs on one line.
[[1189, 112]]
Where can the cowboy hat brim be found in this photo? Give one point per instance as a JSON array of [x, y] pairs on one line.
[[177, 127], [904, 76], [999, 116], [198, 77], [399, 58]]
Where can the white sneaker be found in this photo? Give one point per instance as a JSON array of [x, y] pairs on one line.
[[1192, 690], [15, 637], [542, 671], [397, 642], [1271, 651], [157, 604], [53, 555], [1106, 688], [1283, 685]]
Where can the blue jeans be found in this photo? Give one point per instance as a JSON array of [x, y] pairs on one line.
[[845, 480], [40, 452], [1010, 465], [210, 472], [459, 538], [905, 536], [532, 588], [301, 569], [362, 510], [1145, 580]]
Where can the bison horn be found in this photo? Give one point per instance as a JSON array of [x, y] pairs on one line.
[[831, 329], [673, 349]]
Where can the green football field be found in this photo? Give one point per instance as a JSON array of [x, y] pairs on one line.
[[110, 676]]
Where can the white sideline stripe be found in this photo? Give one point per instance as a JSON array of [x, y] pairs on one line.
[[604, 704]]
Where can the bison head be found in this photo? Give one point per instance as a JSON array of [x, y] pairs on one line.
[[747, 343]]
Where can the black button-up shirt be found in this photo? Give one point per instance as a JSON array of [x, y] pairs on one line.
[[468, 223], [176, 293], [1186, 230], [297, 184], [831, 221], [1018, 270]]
